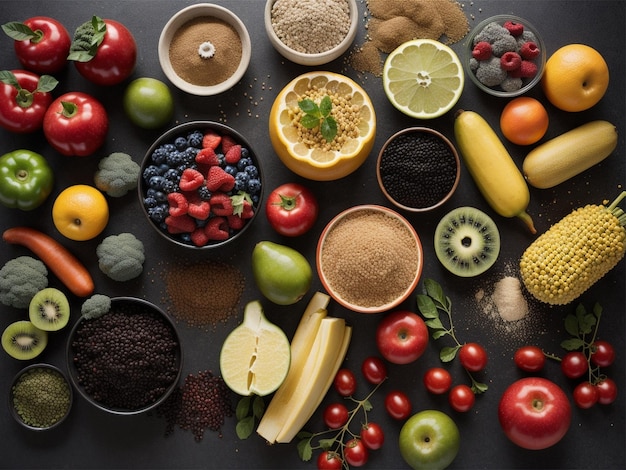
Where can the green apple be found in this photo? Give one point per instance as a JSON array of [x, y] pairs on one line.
[[148, 103], [429, 440]]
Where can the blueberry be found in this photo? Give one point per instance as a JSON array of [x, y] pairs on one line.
[[254, 185], [156, 182], [243, 163], [160, 196], [241, 181], [149, 202], [244, 152], [157, 213], [180, 143], [252, 170], [231, 170]]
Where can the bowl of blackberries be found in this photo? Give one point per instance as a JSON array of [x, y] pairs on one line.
[[505, 56], [201, 185], [125, 358], [418, 169]]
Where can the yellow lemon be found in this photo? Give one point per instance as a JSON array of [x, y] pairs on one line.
[[305, 150], [80, 212], [423, 78]]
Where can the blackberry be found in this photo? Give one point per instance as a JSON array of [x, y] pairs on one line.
[[189, 155], [241, 181], [149, 172], [252, 170], [204, 193], [169, 186], [159, 154], [157, 213], [243, 163], [174, 159], [254, 185], [194, 139], [180, 143], [172, 174]]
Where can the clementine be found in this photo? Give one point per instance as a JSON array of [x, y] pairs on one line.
[[576, 77], [524, 120], [80, 212]]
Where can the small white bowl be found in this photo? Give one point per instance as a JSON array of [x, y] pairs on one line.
[[190, 13], [318, 58]]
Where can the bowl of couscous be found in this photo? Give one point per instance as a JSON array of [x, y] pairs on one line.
[[369, 258], [311, 32]]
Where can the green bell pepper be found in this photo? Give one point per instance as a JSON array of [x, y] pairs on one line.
[[26, 179]]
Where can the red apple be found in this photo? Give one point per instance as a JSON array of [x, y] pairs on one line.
[[401, 337], [534, 413]]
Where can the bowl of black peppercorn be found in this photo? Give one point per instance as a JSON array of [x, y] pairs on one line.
[[125, 361], [418, 169]]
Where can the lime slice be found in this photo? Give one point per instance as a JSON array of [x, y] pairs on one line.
[[423, 78]]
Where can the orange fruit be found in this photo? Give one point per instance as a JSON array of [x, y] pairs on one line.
[[304, 150], [575, 78], [524, 121], [80, 212]]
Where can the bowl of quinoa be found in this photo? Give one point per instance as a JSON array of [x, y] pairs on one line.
[[311, 32], [505, 56], [369, 258], [40, 397], [418, 169], [127, 360]]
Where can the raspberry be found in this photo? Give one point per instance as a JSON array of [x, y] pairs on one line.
[[516, 29], [218, 180], [190, 180], [178, 204], [227, 143], [198, 208], [207, 156], [233, 155], [510, 61], [529, 50], [217, 229], [481, 51], [248, 210], [211, 140], [199, 237], [528, 69], [235, 222], [180, 224], [221, 204]]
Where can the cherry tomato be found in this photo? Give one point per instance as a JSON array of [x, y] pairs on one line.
[[437, 380], [473, 357], [398, 405], [328, 460], [530, 358], [115, 57], [603, 353], [24, 99], [335, 415], [372, 436], [41, 43], [607, 391], [585, 395], [355, 453], [374, 369], [345, 382], [75, 124], [291, 209], [461, 398], [574, 364]]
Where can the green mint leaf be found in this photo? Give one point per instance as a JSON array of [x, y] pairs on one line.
[[20, 32], [258, 407], [572, 344], [309, 107], [245, 427], [7, 77], [434, 324], [448, 353], [326, 106], [309, 121], [435, 291], [243, 408], [329, 129], [46, 83], [439, 333], [426, 306], [304, 450]]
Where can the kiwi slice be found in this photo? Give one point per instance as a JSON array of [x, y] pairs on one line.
[[23, 340], [467, 241], [49, 309]]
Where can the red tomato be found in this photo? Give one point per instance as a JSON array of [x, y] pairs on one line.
[[607, 391], [529, 358], [437, 380], [355, 453], [115, 56], [603, 353], [473, 357], [76, 124], [329, 461], [374, 369], [345, 382], [461, 398], [372, 436], [24, 99], [534, 413], [291, 209], [401, 337], [335, 415], [398, 405], [41, 43], [585, 395], [574, 364]]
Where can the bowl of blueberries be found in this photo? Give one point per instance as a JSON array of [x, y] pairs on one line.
[[200, 185]]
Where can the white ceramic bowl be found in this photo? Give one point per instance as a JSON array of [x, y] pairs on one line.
[[196, 11], [318, 58]]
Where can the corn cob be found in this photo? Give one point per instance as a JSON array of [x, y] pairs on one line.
[[575, 253]]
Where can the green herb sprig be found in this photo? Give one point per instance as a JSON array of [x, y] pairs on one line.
[[248, 412], [319, 116], [430, 305]]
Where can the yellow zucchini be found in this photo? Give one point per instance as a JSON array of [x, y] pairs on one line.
[[497, 177], [569, 154]]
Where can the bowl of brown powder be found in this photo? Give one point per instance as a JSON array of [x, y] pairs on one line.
[[204, 49], [311, 32], [369, 258]]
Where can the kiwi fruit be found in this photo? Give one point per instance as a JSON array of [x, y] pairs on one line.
[[49, 309], [23, 340], [467, 241]]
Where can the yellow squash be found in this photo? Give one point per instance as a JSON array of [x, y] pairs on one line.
[[499, 180]]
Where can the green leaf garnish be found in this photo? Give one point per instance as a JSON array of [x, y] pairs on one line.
[[319, 116]]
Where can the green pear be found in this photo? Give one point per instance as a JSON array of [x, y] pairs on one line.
[[282, 274]]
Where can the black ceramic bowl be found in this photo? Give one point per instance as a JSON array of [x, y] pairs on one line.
[[116, 364], [191, 227]]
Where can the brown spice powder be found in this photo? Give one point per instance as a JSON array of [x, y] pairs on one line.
[[192, 68]]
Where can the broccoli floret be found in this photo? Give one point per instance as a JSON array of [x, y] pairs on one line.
[[20, 279], [95, 306], [489, 72], [491, 33], [117, 174], [121, 256], [503, 45], [511, 84]]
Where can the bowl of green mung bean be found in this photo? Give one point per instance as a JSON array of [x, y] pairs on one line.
[[40, 397], [311, 32]]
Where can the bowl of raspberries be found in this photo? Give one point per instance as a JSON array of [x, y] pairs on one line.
[[505, 56], [200, 185]]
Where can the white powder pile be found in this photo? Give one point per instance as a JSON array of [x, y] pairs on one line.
[[508, 299]]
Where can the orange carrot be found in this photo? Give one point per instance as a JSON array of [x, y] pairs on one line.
[[68, 269]]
